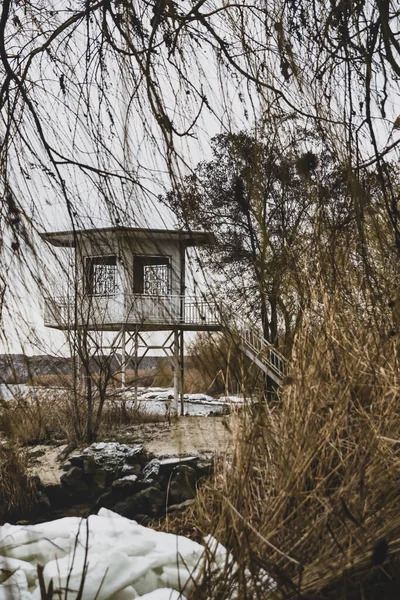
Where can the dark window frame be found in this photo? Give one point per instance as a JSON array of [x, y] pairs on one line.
[[142, 260]]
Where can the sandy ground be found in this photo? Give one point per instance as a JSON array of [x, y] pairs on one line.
[[186, 436]]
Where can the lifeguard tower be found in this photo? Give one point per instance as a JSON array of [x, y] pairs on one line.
[[128, 281]]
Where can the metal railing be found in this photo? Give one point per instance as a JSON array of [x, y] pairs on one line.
[[253, 341], [171, 309], [265, 351]]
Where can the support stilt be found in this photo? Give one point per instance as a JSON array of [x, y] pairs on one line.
[[176, 371], [123, 359], [182, 372], [136, 367]]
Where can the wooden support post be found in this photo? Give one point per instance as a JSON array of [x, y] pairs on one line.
[[182, 372], [136, 367], [176, 372], [123, 359]]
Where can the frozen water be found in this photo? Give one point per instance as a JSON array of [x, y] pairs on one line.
[[156, 400]]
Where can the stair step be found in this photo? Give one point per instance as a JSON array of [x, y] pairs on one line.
[[261, 352]]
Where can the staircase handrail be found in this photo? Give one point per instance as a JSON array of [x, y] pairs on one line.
[[242, 326]]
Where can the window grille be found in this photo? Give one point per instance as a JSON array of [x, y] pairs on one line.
[[102, 276], [156, 280], [152, 275]]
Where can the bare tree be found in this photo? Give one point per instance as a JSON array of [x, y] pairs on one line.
[[104, 105]]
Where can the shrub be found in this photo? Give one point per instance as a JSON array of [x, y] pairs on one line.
[[17, 490], [42, 418], [310, 491], [51, 381], [116, 415], [37, 418], [217, 362]]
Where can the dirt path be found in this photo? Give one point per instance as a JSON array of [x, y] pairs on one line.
[[186, 436], [190, 435]]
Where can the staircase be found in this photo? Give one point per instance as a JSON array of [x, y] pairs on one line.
[[256, 347]]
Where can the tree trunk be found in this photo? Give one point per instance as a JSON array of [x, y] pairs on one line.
[[264, 318], [273, 303]]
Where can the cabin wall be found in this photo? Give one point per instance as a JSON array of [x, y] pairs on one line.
[[125, 249]]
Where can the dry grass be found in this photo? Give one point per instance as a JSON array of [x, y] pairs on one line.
[[117, 416], [218, 366], [42, 418], [51, 381], [17, 491], [36, 420], [144, 378], [311, 491]]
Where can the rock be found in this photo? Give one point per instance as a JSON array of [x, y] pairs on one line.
[[122, 490], [64, 453], [150, 502], [152, 469], [78, 489], [73, 474], [99, 480], [106, 500], [183, 485], [66, 466], [36, 453], [112, 456], [117, 475], [89, 465], [136, 456], [73, 481], [57, 495], [167, 465], [129, 478], [130, 470], [76, 460], [142, 519], [204, 468], [126, 483]]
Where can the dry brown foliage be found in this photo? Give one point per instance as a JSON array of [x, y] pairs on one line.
[[41, 418], [37, 418], [144, 378], [218, 366], [310, 491], [17, 490], [51, 381]]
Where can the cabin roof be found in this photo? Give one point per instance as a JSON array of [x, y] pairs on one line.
[[69, 239]]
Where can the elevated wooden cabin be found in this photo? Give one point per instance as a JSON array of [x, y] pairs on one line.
[[131, 277], [130, 280]]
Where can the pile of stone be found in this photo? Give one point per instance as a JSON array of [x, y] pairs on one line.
[[128, 481]]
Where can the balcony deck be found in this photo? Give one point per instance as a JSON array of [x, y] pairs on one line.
[[148, 313]]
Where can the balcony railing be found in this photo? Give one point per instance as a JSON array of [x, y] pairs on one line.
[[131, 309]]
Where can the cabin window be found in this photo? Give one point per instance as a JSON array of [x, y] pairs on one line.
[[152, 275], [101, 275]]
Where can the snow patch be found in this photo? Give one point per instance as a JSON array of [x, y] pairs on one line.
[[114, 557]]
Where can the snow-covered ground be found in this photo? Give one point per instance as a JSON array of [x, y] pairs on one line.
[[109, 557], [120, 560], [159, 400]]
